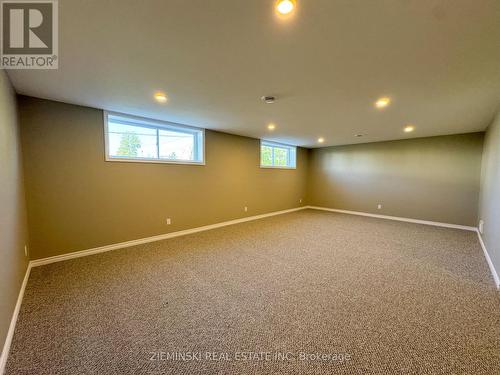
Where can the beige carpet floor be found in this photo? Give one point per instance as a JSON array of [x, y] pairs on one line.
[[304, 293]]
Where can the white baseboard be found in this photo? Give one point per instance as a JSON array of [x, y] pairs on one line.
[[488, 260], [102, 249], [13, 321], [408, 220]]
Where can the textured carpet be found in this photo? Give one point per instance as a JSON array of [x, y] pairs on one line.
[[304, 293]]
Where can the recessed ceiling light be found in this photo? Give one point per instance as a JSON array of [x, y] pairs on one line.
[[409, 128], [269, 99], [271, 126], [285, 6], [160, 97], [321, 140], [382, 102]]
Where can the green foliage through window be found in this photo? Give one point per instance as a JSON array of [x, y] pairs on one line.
[[129, 144], [277, 155], [266, 155], [280, 156], [135, 138]]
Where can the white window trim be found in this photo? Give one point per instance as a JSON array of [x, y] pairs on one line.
[[272, 143], [159, 123]]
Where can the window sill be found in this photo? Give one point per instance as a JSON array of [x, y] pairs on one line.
[[154, 161], [270, 167]]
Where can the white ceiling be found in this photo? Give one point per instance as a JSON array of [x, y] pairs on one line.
[[439, 60]]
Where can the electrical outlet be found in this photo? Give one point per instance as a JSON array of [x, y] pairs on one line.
[[25, 250], [245, 208], [169, 221], [379, 206], [481, 226]]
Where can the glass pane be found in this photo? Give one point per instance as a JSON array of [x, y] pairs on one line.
[[128, 141], [266, 155], [177, 145], [280, 157]]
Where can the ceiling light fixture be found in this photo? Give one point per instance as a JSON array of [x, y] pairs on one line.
[[321, 140], [160, 97], [271, 126], [409, 128], [358, 135], [382, 102], [285, 7]]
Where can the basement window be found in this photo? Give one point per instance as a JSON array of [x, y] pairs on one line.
[[277, 155], [136, 139]]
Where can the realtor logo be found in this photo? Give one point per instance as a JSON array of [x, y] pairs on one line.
[[29, 34]]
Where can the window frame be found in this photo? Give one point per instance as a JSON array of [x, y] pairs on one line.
[[273, 145], [152, 124]]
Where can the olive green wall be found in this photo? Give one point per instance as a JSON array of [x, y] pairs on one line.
[[77, 201], [434, 178], [489, 208], [13, 227]]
